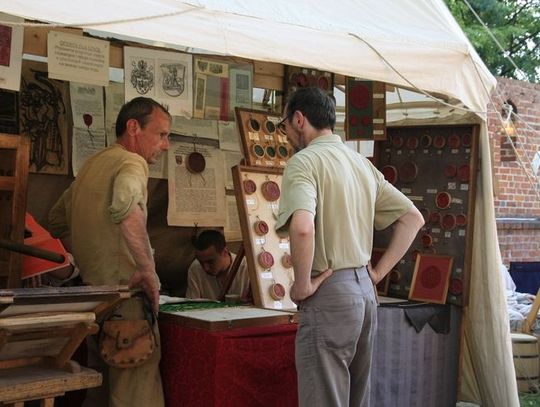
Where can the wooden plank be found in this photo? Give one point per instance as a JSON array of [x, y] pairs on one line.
[[268, 68], [7, 183], [32, 383], [35, 38], [267, 82], [80, 332], [34, 321], [48, 402], [531, 316], [20, 362], [116, 56]]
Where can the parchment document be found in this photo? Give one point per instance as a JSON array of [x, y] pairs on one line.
[[196, 198]]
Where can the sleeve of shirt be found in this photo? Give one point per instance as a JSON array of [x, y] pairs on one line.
[[298, 191], [390, 203], [193, 289], [59, 216], [129, 189]]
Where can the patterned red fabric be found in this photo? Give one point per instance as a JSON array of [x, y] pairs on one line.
[[236, 367]]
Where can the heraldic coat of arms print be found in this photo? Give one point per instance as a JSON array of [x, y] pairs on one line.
[[142, 76], [173, 78]]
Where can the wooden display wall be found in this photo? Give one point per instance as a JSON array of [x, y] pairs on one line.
[[435, 166], [268, 255]]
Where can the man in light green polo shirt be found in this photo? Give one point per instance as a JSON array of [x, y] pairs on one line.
[[332, 197]]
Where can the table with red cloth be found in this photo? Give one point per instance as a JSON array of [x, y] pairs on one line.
[[237, 367]]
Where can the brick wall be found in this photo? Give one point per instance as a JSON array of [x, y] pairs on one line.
[[515, 196]]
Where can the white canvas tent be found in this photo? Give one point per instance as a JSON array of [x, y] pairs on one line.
[[416, 44]]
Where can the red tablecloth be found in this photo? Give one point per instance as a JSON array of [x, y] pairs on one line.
[[237, 367]]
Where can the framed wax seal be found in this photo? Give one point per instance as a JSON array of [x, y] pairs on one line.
[[270, 191], [456, 286], [408, 172], [323, 82], [390, 173], [254, 125], [454, 141], [439, 141], [435, 217], [269, 127], [270, 152], [427, 240], [365, 110], [277, 291], [257, 150], [261, 227], [431, 278], [265, 259], [195, 162], [249, 186], [443, 200], [461, 220], [466, 140], [448, 221], [397, 141], [412, 143], [450, 171], [464, 173], [283, 151], [425, 141], [286, 261]]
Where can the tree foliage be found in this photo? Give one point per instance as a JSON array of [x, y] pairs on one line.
[[515, 24]]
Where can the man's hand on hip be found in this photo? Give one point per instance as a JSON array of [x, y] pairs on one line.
[[149, 283], [301, 293]]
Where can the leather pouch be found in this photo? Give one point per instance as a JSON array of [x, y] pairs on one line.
[[126, 343]]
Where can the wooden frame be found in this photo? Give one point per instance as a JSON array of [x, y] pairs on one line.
[[431, 278], [366, 118]]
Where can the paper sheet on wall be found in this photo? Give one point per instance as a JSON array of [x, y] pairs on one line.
[[11, 46], [114, 99], [241, 88], [231, 158], [78, 59], [195, 127], [211, 89], [196, 198], [228, 136], [44, 119], [160, 168], [232, 230], [161, 75], [88, 122]]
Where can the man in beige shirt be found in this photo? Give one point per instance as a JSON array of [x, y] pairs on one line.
[[209, 271], [332, 197], [104, 214]]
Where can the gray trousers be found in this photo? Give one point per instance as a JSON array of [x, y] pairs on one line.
[[334, 341]]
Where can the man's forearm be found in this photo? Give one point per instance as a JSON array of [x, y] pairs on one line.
[[301, 234], [133, 229]]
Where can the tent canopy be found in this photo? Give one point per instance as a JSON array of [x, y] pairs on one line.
[[407, 43]]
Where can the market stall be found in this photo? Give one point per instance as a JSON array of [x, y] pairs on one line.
[[416, 46]]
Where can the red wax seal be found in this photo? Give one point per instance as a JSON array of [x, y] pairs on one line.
[[461, 219], [323, 83], [425, 213], [435, 217], [454, 141], [450, 171], [286, 261], [395, 276], [443, 200], [430, 277], [463, 173], [266, 260], [195, 163], [353, 120], [425, 141], [277, 291], [270, 191], [366, 121], [448, 221], [466, 140], [412, 143], [456, 286], [249, 186], [408, 172], [261, 227], [439, 141], [359, 96], [301, 80], [397, 141], [427, 240], [390, 173]]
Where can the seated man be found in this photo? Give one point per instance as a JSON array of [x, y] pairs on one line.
[[208, 272]]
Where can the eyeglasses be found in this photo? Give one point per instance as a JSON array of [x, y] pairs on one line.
[[281, 124]]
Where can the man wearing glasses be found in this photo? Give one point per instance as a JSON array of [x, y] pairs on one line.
[[332, 197]]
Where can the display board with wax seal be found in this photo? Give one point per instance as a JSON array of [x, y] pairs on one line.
[[268, 256]]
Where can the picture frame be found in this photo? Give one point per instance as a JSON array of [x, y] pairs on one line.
[[431, 278]]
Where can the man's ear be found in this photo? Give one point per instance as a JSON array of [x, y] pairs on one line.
[[132, 125]]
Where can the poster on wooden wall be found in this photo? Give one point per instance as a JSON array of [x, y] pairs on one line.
[[44, 119], [11, 45]]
